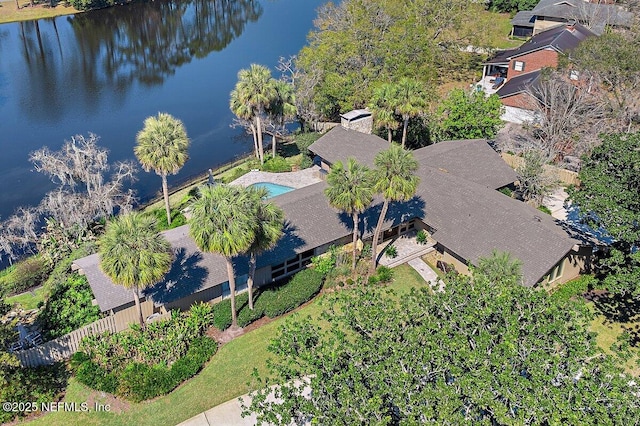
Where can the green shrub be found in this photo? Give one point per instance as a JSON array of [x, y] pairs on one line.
[[37, 385], [304, 140], [93, 375], [544, 209], [29, 273], [200, 351], [160, 214], [68, 307], [391, 251], [422, 237], [506, 191], [222, 311], [302, 287], [325, 262], [576, 287], [385, 274], [235, 174], [373, 279], [276, 164], [62, 271]]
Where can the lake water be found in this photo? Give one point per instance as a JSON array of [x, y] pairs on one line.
[[106, 71]]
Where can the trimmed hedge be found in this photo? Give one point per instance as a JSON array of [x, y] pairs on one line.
[[270, 302]]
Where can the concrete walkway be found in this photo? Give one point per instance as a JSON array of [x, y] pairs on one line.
[[296, 180], [556, 203], [427, 273], [227, 414]]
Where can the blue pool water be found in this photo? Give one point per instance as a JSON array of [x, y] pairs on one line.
[[273, 188]]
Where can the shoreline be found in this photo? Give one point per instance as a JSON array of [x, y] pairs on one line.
[[9, 13]]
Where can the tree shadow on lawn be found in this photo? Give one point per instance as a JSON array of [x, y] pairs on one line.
[[621, 309]]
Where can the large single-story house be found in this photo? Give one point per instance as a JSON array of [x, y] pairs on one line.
[[596, 14], [457, 202]]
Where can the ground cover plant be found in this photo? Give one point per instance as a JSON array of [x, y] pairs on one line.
[[144, 363]]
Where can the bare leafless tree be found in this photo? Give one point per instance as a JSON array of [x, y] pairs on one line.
[[570, 116], [88, 188], [304, 83]]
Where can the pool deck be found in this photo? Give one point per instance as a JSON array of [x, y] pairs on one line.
[[295, 180]]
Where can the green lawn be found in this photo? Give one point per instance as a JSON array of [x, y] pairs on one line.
[[607, 332], [27, 300], [224, 378]]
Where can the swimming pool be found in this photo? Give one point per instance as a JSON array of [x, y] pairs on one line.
[[273, 188]]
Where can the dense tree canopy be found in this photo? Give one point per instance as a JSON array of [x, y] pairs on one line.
[[608, 196], [481, 352], [466, 115], [511, 5], [358, 43]]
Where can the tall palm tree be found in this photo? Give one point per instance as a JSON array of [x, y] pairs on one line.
[[222, 222], [162, 146], [382, 105], [395, 180], [255, 89], [281, 109], [350, 190], [409, 102], [269, 222], [133, 254], [245, 116]]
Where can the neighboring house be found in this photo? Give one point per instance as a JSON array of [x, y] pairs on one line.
[[595, 15], [457, 202], [520, 68]]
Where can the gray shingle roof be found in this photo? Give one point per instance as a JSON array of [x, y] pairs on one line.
[[561, 38], [519, 84], [598, 14], [339, 143], [524, 18], [456, 196]]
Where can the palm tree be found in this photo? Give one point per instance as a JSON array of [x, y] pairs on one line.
[[162, 146], [281, 109], [245, 117], [500, 267], [350, 190], [395, 180], [269, 222], [383, 108], [409, 102], [222, 222], [255, 89], [133, 254]]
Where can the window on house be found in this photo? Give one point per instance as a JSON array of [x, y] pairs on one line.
[[556, 273], [518, 66]]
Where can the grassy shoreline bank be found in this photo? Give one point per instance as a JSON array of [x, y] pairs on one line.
[[9, 12]]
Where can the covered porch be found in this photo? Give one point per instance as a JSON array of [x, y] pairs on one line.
[[407, 248]]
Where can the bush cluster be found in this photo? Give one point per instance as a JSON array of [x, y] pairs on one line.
[[160, 214], [40, 384], [143, 364], [574, 288], [383, 275], [68, 307], [29, 273], [270, 302], [276, 164]]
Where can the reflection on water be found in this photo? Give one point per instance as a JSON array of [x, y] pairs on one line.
[[115, 47], [105, 71]]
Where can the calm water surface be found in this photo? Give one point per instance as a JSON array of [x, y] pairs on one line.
[[105, 71]]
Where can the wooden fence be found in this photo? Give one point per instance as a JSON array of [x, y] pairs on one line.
[[63, 347], [567, 177]]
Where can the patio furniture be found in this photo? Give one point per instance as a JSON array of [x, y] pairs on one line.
[[497, 82], [34, 338], [15, 347]]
